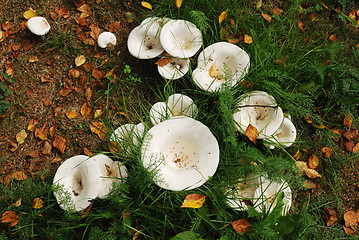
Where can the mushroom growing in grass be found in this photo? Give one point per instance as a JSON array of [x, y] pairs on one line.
[[106, 39], [38, 25], [218, 64], [181, 152], [259, 109], [267, 193], [175, 69], [127, 137], [180, 38], [284, 136]]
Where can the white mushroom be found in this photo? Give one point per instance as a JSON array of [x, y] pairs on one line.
[[259, 109], [181, 152], [77, 182], [38, 25], [180, 38], [106, 39], [158, 112], [218, 64], [127, 136], [285, 135], [266, 196], [175, 69]]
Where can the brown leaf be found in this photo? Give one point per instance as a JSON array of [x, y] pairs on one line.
[[259, 4], [88, 67], [88, 94], [266, 17], [213, 71], [71, 114], [248, 39], [78, 3], [309, 184], [312, 17], [19, 176], [56, 159], [348, 120], [60, 143], [99, 129], [41, 132], [163, 61], [301, 166], [276, 11], [333, 37], [193, 200], [327, 151], [13, 147], [356, 149], [311, 173], [37, 203], [47, 101], [6, 26], [46, 79], [234, 38], [10, 217], [115, 26], [34, 153], [65, 91], [350, 134], [97, 73], [351, 219], [252, 133], [64, 12], [330, 217], [95, 31], [87, 152], [241, 226], [21, 136], [301, 25], [223, 16], [46, 149], [86, 111], [348, 230], [313, 161], [85, 11]]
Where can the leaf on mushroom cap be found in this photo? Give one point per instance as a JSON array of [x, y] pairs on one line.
[[175, 69]]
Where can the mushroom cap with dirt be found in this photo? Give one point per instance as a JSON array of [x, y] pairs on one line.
[[175, 69], [38, 25], [218, 64], [181, 38], [259, 109], [285, 135], [106, 39], [181, 152]]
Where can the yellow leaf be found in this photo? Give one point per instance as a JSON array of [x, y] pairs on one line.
[[313, 161], [327, 151], [52, 130], [248, 39], [259, 4], [309, 184], [251, 133], [193, 200], [356, 149], [348, 120], [98, 113], [223, 16], [241, 226], [86, 111], [301, 166], [267, 17], [146, 5], [297, 155], [71, 114], [213, 70], [33, 59], [29, 14], [178, 3], [99, 128], [20, 136], [80, 60], [37, 203], [301, 25], [17, 203], [311, 173]]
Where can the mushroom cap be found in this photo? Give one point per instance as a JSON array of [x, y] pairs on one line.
[[180, 38], [155, 20], [128, 136], [144, 40], [80, 181], [181, 152], [181, 105], [110, 172], [176, 69], [259, 109], [105, 39], [266, 196], [218, 64], [158, 112], [285, 135], [38, 25]]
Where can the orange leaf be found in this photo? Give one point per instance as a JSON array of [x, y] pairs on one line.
[[259, 4], [297, 155], [313, 161], [213, 71], [251, 133], [37, 203], [163, 61], [193, 200], [178, 3], [348, 120], [10, 217], [71, 114], [301, 25], [99, 128], [351, 219], [356, 149], [241, 226], [19, 176], [20, 136], [267, 17], [331, 217], [223, 16], [311, 173], [327, 151], [276, 11], [60, 143], [97, 73], [115, 26], [352, 14], [146, 5], [332, 37], [248, 39]]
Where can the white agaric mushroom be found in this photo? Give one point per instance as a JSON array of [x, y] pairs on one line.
[[158, 112], [218, 64], [38, 25], [266, 196], [259, 109], [78, 181], [144, 40], [127, 136], [175, 69], [180, 38], [181, 152], [285, 135], [106, 39]]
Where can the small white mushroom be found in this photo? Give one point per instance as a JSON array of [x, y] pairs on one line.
[[127, 136], [266, 196], [259, 109], [38, 25], [158, 112], [218, 64], [175, 69], [180, 38], [285, 135], [181, 152], [106, 39]]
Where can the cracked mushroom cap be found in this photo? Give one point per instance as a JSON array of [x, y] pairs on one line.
[[38, 25], [175, 69], [106, 39], [285, 135], [181, 152], [180, 38], [79, 180], [259, 109], [218, 64]]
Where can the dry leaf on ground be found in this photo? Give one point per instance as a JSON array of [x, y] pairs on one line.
[[29, 14], [331, 217], [80, 60], [21, 136], [327, 151], [252, 133], [193, 200], [59, 143], [348, 120], [71, 114], [10, 217], [313, 161], [267, 17], [276, 11], [99, 128], [223, 16], [146, 5], [248, 39], [19, 176], [241, 226], [37, 203]]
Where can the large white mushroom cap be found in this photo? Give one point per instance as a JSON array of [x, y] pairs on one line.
[[38, 25], [106, 39], [180, 38], [79, 180], [127, 136], [181, 152], [259, 109], [285, 135], [266, 196], [175, 69], [218, 64]]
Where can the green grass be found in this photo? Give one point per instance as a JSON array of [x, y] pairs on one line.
[[301, 86]]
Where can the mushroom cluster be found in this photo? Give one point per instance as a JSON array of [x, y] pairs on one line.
[[80, 179]]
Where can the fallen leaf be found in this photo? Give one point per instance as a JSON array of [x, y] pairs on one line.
[[146, 5], [87, 152], [248, 39], [348, 230], [233, 24], [37, 203], [301, 166], [33, 59], [259, 4], [88, 67], [252, 133], [74, 73], [327, 151], [86, 111], [241, 226], [309, 184], [29, 14], [13, 147], [71, 114], [297, 155], [79, 3], [34, 153], [276, 11], [130, 16], [59, 143], [351, 219], [178, 3], [301, 25], [52, 130], [213, 71], [333, 37], [56, 159], [350, 134], [46, 79], [266, 17], [85, 11], [98, 113], [10, 217], [97, 73], [234, 38], [6, 25], [352, 14], [223, 16], [331, 217], [313, 161], [46, 149], [312, 17], [17, 203], [99, 129], [348, 119], [115, 26], [193, 200], [163, 61], [21, 136], [356, 149], [64, 12], [311, 173], [80, 60], [115, 147], [19, 176], [95, 31]]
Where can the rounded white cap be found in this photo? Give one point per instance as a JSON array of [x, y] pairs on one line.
[[158, 112], [181, 152], [106, 39], [181, 105], [128, 136], [38, 25], [285, 135], [176, 69]]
